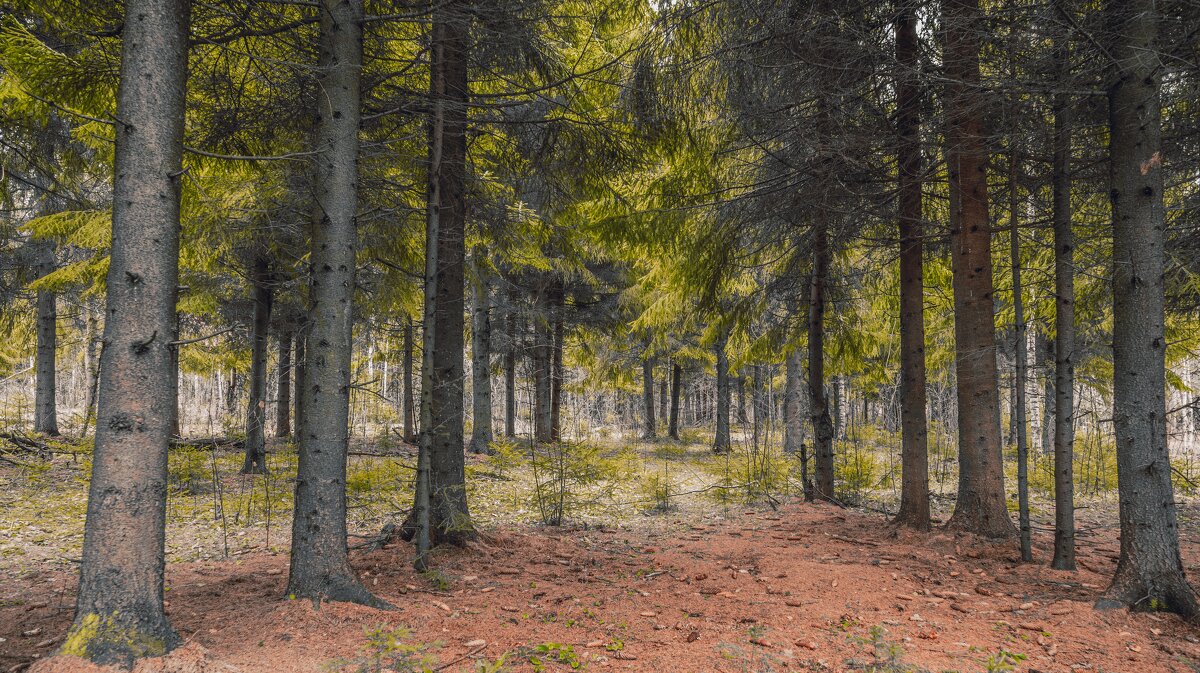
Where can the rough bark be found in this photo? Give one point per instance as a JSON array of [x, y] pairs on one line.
[[283, 390], [818, 401], [1064, 312], [721, 440], [556, 365], [300, 366], [450, 520], [481, 357], [410, 405], [543, 344], [91, 363], [320, 564], [45, 409], [980, 506], [673, 420], [1150, 573], [256, 404], [119, 613], [914, 442], [1021, 375]]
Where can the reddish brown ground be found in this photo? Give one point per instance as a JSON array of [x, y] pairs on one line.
[[798, 589]]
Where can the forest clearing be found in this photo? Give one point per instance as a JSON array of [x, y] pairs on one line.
[[485, 336], [699, 583]]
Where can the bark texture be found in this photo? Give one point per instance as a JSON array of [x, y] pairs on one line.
[[481, 357], [45, 409], [980, 506], [818, 401], [450, 519], [283, 390], [320, 565], [119, 613], [648, 429], [1064, 312], [256, 406], [673, 420], [914, 443], [1150, 573]]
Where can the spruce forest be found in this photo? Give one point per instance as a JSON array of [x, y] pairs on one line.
[[754, 336]]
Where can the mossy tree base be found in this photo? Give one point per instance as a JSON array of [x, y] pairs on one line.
[[119, 639]]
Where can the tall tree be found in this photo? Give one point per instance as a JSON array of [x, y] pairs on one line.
[[721, 440], [481, 355], [256, 404], [283, 388], [648, 430], [1064, 300], [45, 408], [1150, 573], [119, 613], [914, 446], [673, 419], [442, 375], [320, 562], [980, 507], [823, 428]]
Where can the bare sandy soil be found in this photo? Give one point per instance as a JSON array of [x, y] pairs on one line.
[[807, 587]]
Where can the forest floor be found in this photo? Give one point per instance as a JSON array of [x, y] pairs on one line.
[[709, 584]]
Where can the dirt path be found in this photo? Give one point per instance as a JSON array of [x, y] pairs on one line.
[[809, 587]]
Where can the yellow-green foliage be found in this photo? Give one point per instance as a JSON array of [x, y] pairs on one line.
[[747, 476], [189, 469], [94, 632], [858, 467], [656, 488], [567, 475]]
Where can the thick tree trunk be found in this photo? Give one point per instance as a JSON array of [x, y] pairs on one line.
[[450, 520], [648, 431], [914, 442], [119, 613], [664, 395], [283, 390], [256, 407], [45, 409], [818, 401], [980, 507], [1021, 377], [673, 420], [481, 357], [721, 441], [320, 564], [1064, 312], [1150, 573]]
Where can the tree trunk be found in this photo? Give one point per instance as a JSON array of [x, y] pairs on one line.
[[45, 409], [818, 401], [283, 394], [556, 363], [91, 360], [664, 395], [1020, 336], [1064, 307], [721, 443], [1150, 573], [450, 520], [980, 507], [256, 407], [510, 369], [648, 398], [914, 442], [301, 366], [119, 613], [320, 564], [673, 421], [543, 393], [481, 358], [410, 407]]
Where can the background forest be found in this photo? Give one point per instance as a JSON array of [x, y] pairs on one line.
[[382, 271]]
